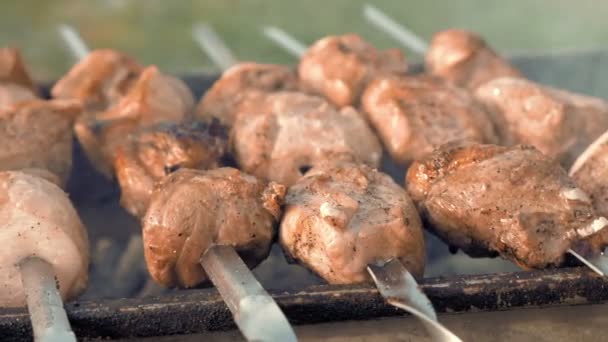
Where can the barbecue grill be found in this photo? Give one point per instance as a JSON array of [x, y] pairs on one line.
[[148, 311]]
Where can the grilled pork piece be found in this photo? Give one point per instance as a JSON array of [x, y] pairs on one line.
[[415, 114], [15, 82], [464, 58], [558, 123], [512, 201], [590, 173], [192, 210], [99, 80], [339, 67], [39, 220], [149, 155], [152, 99], [341, 217], [224, 97], [281, 135], [38, 134]]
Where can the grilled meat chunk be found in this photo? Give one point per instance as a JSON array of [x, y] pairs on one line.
[[38, 134], [15, 82], [147, 156], [341, 217], [512, 201], [590, 173], [558, 123], [224, 97], [464, 58], [192, 210], [281, 135], [415, 114], [39, 220], [152, 99], [339, 67], [99, 80]]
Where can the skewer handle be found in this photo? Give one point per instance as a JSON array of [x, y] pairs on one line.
[[284, 40], [387, 24], [73, 41], [49, 319], [255, 312], [213, 45]]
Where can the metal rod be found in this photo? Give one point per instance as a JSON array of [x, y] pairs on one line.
[[255, 312], [211, 43], [284, 40], [400, 33], [598, 264], [73, 41], [49, 319], [401, 290]]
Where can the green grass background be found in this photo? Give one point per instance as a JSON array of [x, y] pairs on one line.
[[158, 31]]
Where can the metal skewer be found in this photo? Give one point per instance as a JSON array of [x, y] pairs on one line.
[[399, 32], [255, 312], [49, 319], [284, 40], [73, 41]]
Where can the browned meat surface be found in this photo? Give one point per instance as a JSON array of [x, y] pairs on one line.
[[152, 99], [192, 210], [558, 123], [341, 217], [339, 67], [465, 59], [15, 82], [279, 136], [224, 97], [37, 219], [590, 172], [38, 134], [415, 114], [147, 156], [513, 201], [99, 80]]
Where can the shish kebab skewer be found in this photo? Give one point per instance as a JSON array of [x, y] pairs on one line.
[[393, 280], [226, 270], [47, 244], [132, 258], [410, 40]]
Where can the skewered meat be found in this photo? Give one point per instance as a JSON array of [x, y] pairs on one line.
[[339, 67], [224, 97], [38, 134], [341, 217], [39, 220], [149, 155], [415, 114], [279, 136], [99, 80], [153, 98], [191, 210], [558, 123], [514, 201], [15, 82], [465, 59]]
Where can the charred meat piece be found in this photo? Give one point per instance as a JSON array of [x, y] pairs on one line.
[[152, 99], [99, 80], [464, 58], [280, 136], [558, 123], [15, 82], [38, 134], [192, 210], [415, 114], [222, 100], [512, 201], [147, 156], [339, 67], [39, 220], [341, 217]]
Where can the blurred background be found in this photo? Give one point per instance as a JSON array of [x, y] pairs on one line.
[[159, 31]]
